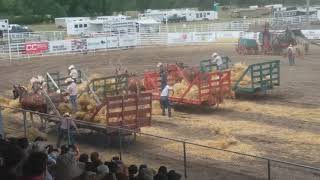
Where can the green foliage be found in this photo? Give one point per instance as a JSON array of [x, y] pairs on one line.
[[24, 11]]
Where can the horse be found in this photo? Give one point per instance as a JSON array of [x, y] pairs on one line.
[[36, 101]]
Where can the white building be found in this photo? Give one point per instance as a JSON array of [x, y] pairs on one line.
[[275, 7], [4, 24], [64, 21], [180, 14], [120, 17]]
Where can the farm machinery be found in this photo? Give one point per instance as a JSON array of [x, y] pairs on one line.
[[196, 87], [258, 78], [247, 47], [113, 106]]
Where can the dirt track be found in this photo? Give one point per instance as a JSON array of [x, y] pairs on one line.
[[285, 124]]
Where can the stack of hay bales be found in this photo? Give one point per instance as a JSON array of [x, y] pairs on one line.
[[237, 71], [181, 87], [14, 103]]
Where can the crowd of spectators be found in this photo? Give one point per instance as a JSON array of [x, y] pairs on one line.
[[24, 160]]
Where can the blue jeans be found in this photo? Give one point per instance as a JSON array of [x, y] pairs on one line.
[[165, 104], [73, 101], [63, 133], [291, 61]]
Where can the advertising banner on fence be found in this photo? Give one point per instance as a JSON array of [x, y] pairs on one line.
[[174, 38], [203, 37], [249, 35], [227, 36], [97, 43], [312, 34], [79, 44], [60, 46], [127, 40], [112, 42], [36, 47]]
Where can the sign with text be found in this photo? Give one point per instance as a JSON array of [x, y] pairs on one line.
[[36, 47], [60, 46], [203, 37], [79, 44]]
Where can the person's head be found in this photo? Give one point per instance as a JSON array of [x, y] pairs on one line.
[[172, 175], [103, 169], [84, 158], [133, 169], [142, 166], [23, 143], [35, 165], [113, 167], [162, 170], [73, 149], [64, 149], [94, 157], [159, 65], [69, 81], [12, 155]]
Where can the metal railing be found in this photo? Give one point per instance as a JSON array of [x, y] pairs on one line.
[[193, 160]]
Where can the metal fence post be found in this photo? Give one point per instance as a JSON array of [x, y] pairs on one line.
[[25, 123], [269, 170], [185, 160], [120, 144]]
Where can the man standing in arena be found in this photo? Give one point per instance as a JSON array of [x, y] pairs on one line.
[[73, 73], [73, 92]]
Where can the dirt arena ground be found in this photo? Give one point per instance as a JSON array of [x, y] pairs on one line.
[[284, 124]]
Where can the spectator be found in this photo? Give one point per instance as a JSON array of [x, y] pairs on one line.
[[64, 149], [145, 174], [133, 170], [35, 167], [52, 155], [95, 160], [39, 145], [12, 155], [172, 175], [102, 169], [23, 143], [67, 167], [112, 167], [162, 174], [142, 166]]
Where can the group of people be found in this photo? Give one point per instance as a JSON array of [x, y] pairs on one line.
[[24, 160]]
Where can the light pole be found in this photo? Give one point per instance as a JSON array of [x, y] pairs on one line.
[[308, 12]]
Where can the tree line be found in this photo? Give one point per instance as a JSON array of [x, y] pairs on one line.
[[36, 11]]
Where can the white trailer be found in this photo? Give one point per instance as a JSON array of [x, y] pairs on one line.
[[64, 21], [78, 27]]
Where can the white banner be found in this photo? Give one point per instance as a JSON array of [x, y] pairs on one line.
[[227, 36], [97, 43], [60, 46], [311, 34], [203, 37], [112, 42], [127, 40], [249, 35], [174, 38]]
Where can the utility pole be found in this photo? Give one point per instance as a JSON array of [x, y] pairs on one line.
[[308, 12]]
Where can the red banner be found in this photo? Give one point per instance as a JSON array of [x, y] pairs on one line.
[[36, 47]]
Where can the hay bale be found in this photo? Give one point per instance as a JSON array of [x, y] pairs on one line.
[[65, 108], [237, 71], [4, 101], [181, 87], [33, 133], [156, 108]]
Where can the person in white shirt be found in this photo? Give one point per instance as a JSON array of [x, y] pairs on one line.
[[216, 59], [73, 92], [73, 73], [164, 100]]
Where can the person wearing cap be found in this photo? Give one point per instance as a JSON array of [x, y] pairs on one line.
[[163, 75], [216, 59], [73, 92], [73, 73], [291, 55], [67, 128], [164, 100]]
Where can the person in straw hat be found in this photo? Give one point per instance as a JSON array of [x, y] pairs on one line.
[[67, 128], [73, 92], [73, 73], [291, 55]]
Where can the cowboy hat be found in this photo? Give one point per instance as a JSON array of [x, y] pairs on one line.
[[214, 54], [159, 64], [71, 67]]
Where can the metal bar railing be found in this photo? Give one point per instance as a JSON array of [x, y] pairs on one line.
[[183, 143]]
